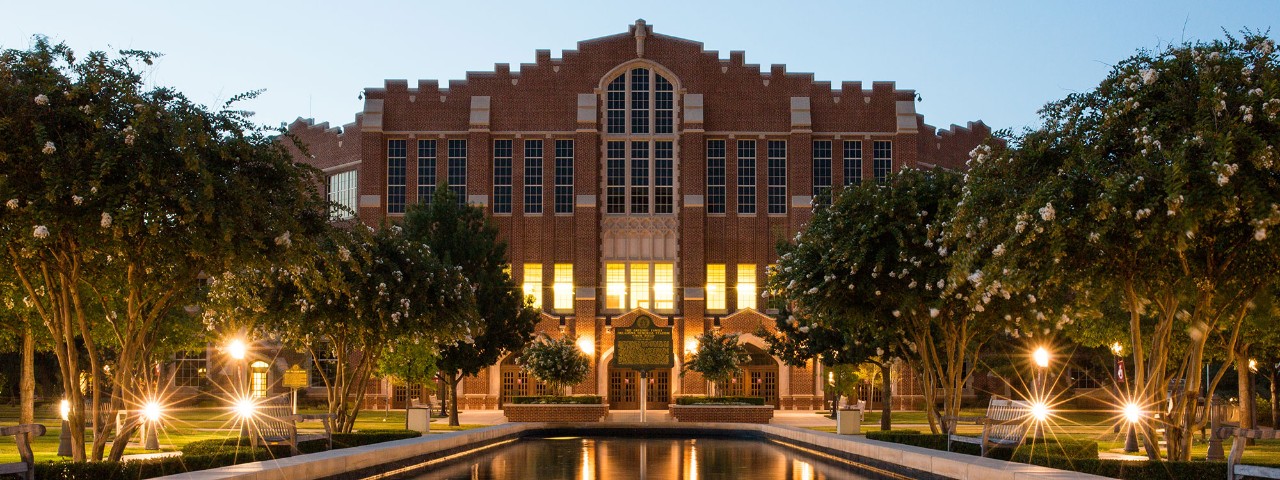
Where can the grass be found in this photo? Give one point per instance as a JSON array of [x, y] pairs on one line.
[[185, 426]]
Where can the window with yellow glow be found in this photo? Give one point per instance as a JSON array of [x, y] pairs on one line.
[[563, 287], [715, 287], [258, 379], [640, 285], [533, 283], [615, 277], [664, 287], [746, 286]]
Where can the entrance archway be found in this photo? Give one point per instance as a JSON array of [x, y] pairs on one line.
[[758, 378], [515, 381]]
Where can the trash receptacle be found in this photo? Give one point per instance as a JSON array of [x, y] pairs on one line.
[[849, 422], [418, 418]]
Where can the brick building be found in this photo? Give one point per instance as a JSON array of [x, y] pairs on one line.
[[637, 175]]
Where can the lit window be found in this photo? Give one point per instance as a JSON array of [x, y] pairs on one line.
[[852, 162], [640, 285], [502, 176], [715, 287], [533, 176], [397, 159], [715, 176], [664, 288], [258, 379], [746, 286], [821, 169], [564, 176], [746, 176], [533, 283], [883, 160], [777, 176], [426, 171], [563, 287], [615, 286], [342, 194], [458, 169]]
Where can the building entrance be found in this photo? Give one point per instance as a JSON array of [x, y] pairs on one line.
[[758, 378], [624, 389]]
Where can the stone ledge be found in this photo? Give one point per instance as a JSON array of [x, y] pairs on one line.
[[722, 413]]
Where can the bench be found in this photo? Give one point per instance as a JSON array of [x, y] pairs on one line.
[[276, 424], [1004, 425], [1234, 469], [860, 406], [23, 434]]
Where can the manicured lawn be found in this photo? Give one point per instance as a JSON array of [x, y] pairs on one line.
[[186, 426]]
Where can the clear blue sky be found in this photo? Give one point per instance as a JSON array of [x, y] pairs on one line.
[[995, 61]]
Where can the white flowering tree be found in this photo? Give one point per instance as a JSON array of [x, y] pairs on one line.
[[1156, 194], [556, 362], [352, 296], [718, 357], [116, 197]]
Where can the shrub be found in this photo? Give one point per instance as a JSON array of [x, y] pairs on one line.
[[558, 399], [1061, 447], [558, 363], [700, 400], [233, 446]]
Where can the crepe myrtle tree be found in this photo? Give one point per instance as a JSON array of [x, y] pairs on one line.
[[409, 359], [1158, 192], [559, 363], [116, 197], [354, 294], [719, 356]]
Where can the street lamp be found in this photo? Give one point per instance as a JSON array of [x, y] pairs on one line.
[[64, 439], [237, 349], [151, 437], [1039, 409]]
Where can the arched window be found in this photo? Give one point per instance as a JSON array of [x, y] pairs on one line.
[[640, 151], [258, 379], [640, 101]]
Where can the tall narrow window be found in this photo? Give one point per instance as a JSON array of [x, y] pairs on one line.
[[852, 162], [533, 176], [663, 106], [258, 379], [458, 169], [533, 283], [397, 158], [747, 176], [342, 194], [664, 287], [746, 286], [563, 287], [616, 105], [616, 181], [777, 176], [715, 176], [715, 287], [502, 176], [883, 156], [640, 285], [821, 169], [615, 275], [564, 176], [426, 171], [663, 185], [639, 100], [639, 177]]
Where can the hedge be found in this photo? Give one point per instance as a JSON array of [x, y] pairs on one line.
[[558, 399], [699, 400], [1061, 447]]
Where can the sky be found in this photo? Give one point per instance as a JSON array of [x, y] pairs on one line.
[[996, 61]]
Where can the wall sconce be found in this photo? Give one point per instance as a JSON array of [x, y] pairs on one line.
[[671, 320], [715, 322], [608, 324], [563, 325]]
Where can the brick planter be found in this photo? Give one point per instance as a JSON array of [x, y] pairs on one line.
[[722, 413], [554, 412]]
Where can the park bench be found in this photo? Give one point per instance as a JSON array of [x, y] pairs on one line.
[[1004, 425], [1242, 435], [23, 435], [276, 424]]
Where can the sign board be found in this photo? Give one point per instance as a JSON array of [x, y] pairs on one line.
[[643, 346], [295, 377]]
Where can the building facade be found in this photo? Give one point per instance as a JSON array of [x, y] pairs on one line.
[[637, 175]]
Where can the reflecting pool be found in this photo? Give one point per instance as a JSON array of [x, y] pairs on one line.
[[609, 458]]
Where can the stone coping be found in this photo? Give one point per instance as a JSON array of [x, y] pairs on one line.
[[364, 461]]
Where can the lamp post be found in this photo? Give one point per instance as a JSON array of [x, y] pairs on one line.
[[238, 351], [1132, 412], [1041, 397], [64, 439], [151, 435]]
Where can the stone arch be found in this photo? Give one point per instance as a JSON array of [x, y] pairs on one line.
[[626, 66]]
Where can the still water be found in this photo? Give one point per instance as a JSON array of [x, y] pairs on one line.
[[610, 458]]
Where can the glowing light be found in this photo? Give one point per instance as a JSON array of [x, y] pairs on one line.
[[691, 345], [831, 378], [1041, 357], [151, 411], [1039, 411], [245, 408], [1117, 349], [65, 410], [1253, 365], [1132, 412], [237, 349], [587, 345]]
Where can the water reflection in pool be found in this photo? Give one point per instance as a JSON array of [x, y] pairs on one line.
[[609, 458]]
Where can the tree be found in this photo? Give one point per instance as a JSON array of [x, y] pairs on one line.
[[718, 357], [464, 239], [354, 294], [409, 360], [1154, 192], [116, 199], [557, 363]]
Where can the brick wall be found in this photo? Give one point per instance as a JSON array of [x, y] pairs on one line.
[[722, 413], [554, 413]]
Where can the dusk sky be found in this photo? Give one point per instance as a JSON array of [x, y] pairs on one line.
[[994, 61]]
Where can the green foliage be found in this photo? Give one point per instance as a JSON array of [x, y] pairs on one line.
[[720, 400], [718, 357], [558, 399], [558, 363], [844, 380], [1058, 447], [409, 359]]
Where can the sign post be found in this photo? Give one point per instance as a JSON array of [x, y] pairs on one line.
[[294, 378], [643, 347]]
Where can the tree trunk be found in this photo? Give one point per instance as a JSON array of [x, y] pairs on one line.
[[835, 404], [1275, 409], [1248, 402], [886, 405], [27, 384], [454, 379]]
